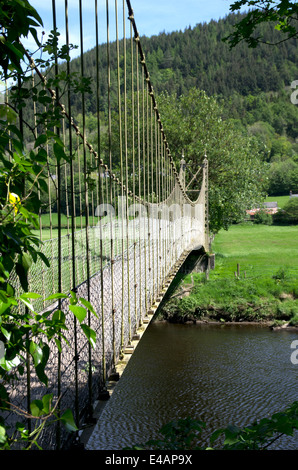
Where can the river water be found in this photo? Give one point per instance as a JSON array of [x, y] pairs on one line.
[[219, 374]]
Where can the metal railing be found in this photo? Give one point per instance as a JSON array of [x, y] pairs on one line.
[[117, 215]]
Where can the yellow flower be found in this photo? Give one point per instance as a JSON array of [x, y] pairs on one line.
[[15, 201]]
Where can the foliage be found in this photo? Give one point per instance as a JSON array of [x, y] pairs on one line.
[[197, 57], [18, 19], [176, 435], [237, 174], [261, 434], [288, 215], [184, 434], [283, 177], [43, 413], [283, 15], [251, 83], [250, 86], [262, 217], [25, 332]]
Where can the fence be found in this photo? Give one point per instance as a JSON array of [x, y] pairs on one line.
[[115, 217]]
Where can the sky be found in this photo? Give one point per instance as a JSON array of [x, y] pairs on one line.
[[151, 16]]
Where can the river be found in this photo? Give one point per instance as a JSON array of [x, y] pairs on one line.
[[219, 374]]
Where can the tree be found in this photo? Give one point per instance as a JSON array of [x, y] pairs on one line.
[[283, 15], [237, 174], [283, 177], [288, 215]]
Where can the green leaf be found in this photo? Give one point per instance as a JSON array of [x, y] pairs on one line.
[[8, 365], [15, 50], [216, 434], [40, 371], [73, 299], [40, 353], [47, 402], [26, 261], [15, 130], [59, 152], [3, 435], [59, 316], [56, 138], [56, 296], [88, 305], [36, 408], [5, 333], [68, 421], [79, 312], [22, 430], [58, 344], [36, 352], [10, 290], [90, 334], [30, 295], [41, 139], [44, 258], [25, 302]]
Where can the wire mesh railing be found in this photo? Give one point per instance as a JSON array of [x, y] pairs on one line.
[[115, 217]]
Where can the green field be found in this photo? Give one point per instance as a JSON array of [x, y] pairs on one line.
[[258, 249], [265, 288], [281, 200]]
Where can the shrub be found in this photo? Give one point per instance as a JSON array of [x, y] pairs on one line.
[[263, 217], [288, 215], [294, 320], [287, 310], [281, 274]]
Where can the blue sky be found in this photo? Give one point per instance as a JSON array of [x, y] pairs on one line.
[[152, 16]]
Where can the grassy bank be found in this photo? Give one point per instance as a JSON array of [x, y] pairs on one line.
[[255, 279], [281, 200]]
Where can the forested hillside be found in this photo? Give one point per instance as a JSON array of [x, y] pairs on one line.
[[253, 84], [197, 57], [252, 87]]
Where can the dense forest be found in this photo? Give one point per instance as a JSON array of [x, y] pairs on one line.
[[198, 57], [252, 84]]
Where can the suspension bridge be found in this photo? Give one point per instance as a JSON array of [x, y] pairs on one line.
[[119, 220]]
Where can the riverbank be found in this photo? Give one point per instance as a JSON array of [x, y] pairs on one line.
[[267, 324], [255, 280]]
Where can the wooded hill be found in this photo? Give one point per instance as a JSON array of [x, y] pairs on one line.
[[197, 57], [253, 84]]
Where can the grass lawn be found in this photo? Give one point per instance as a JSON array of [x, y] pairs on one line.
[[256, 248], [281, 200], [265, 290]]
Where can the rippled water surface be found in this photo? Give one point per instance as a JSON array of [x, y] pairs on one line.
[[219, 374]]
